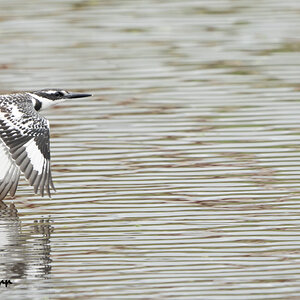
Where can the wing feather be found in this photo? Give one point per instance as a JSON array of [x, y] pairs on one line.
[[25, 147], [9, 172], [15, 182]]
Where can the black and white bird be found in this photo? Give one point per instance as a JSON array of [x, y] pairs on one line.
[[25, 139]]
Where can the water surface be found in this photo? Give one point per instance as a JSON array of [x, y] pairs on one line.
[[180, 178]]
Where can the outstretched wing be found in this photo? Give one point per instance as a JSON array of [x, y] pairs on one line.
[[25, 146], [9, 172]]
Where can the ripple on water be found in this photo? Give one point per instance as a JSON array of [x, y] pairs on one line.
[[179, 178]]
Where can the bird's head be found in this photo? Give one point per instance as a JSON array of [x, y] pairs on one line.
[[45, 98]]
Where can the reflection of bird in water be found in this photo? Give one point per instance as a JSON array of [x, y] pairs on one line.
[[24, 255], [24, 139]]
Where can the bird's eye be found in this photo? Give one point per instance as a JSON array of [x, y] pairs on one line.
[[59, 94]]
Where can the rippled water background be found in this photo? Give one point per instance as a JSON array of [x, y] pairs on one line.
[[180, 178]]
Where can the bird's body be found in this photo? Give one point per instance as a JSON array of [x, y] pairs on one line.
[[25, 139]]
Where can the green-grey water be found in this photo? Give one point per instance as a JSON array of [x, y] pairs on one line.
[[179, 178]]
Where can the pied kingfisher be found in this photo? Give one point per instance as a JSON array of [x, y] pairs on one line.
[[24, 139]]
